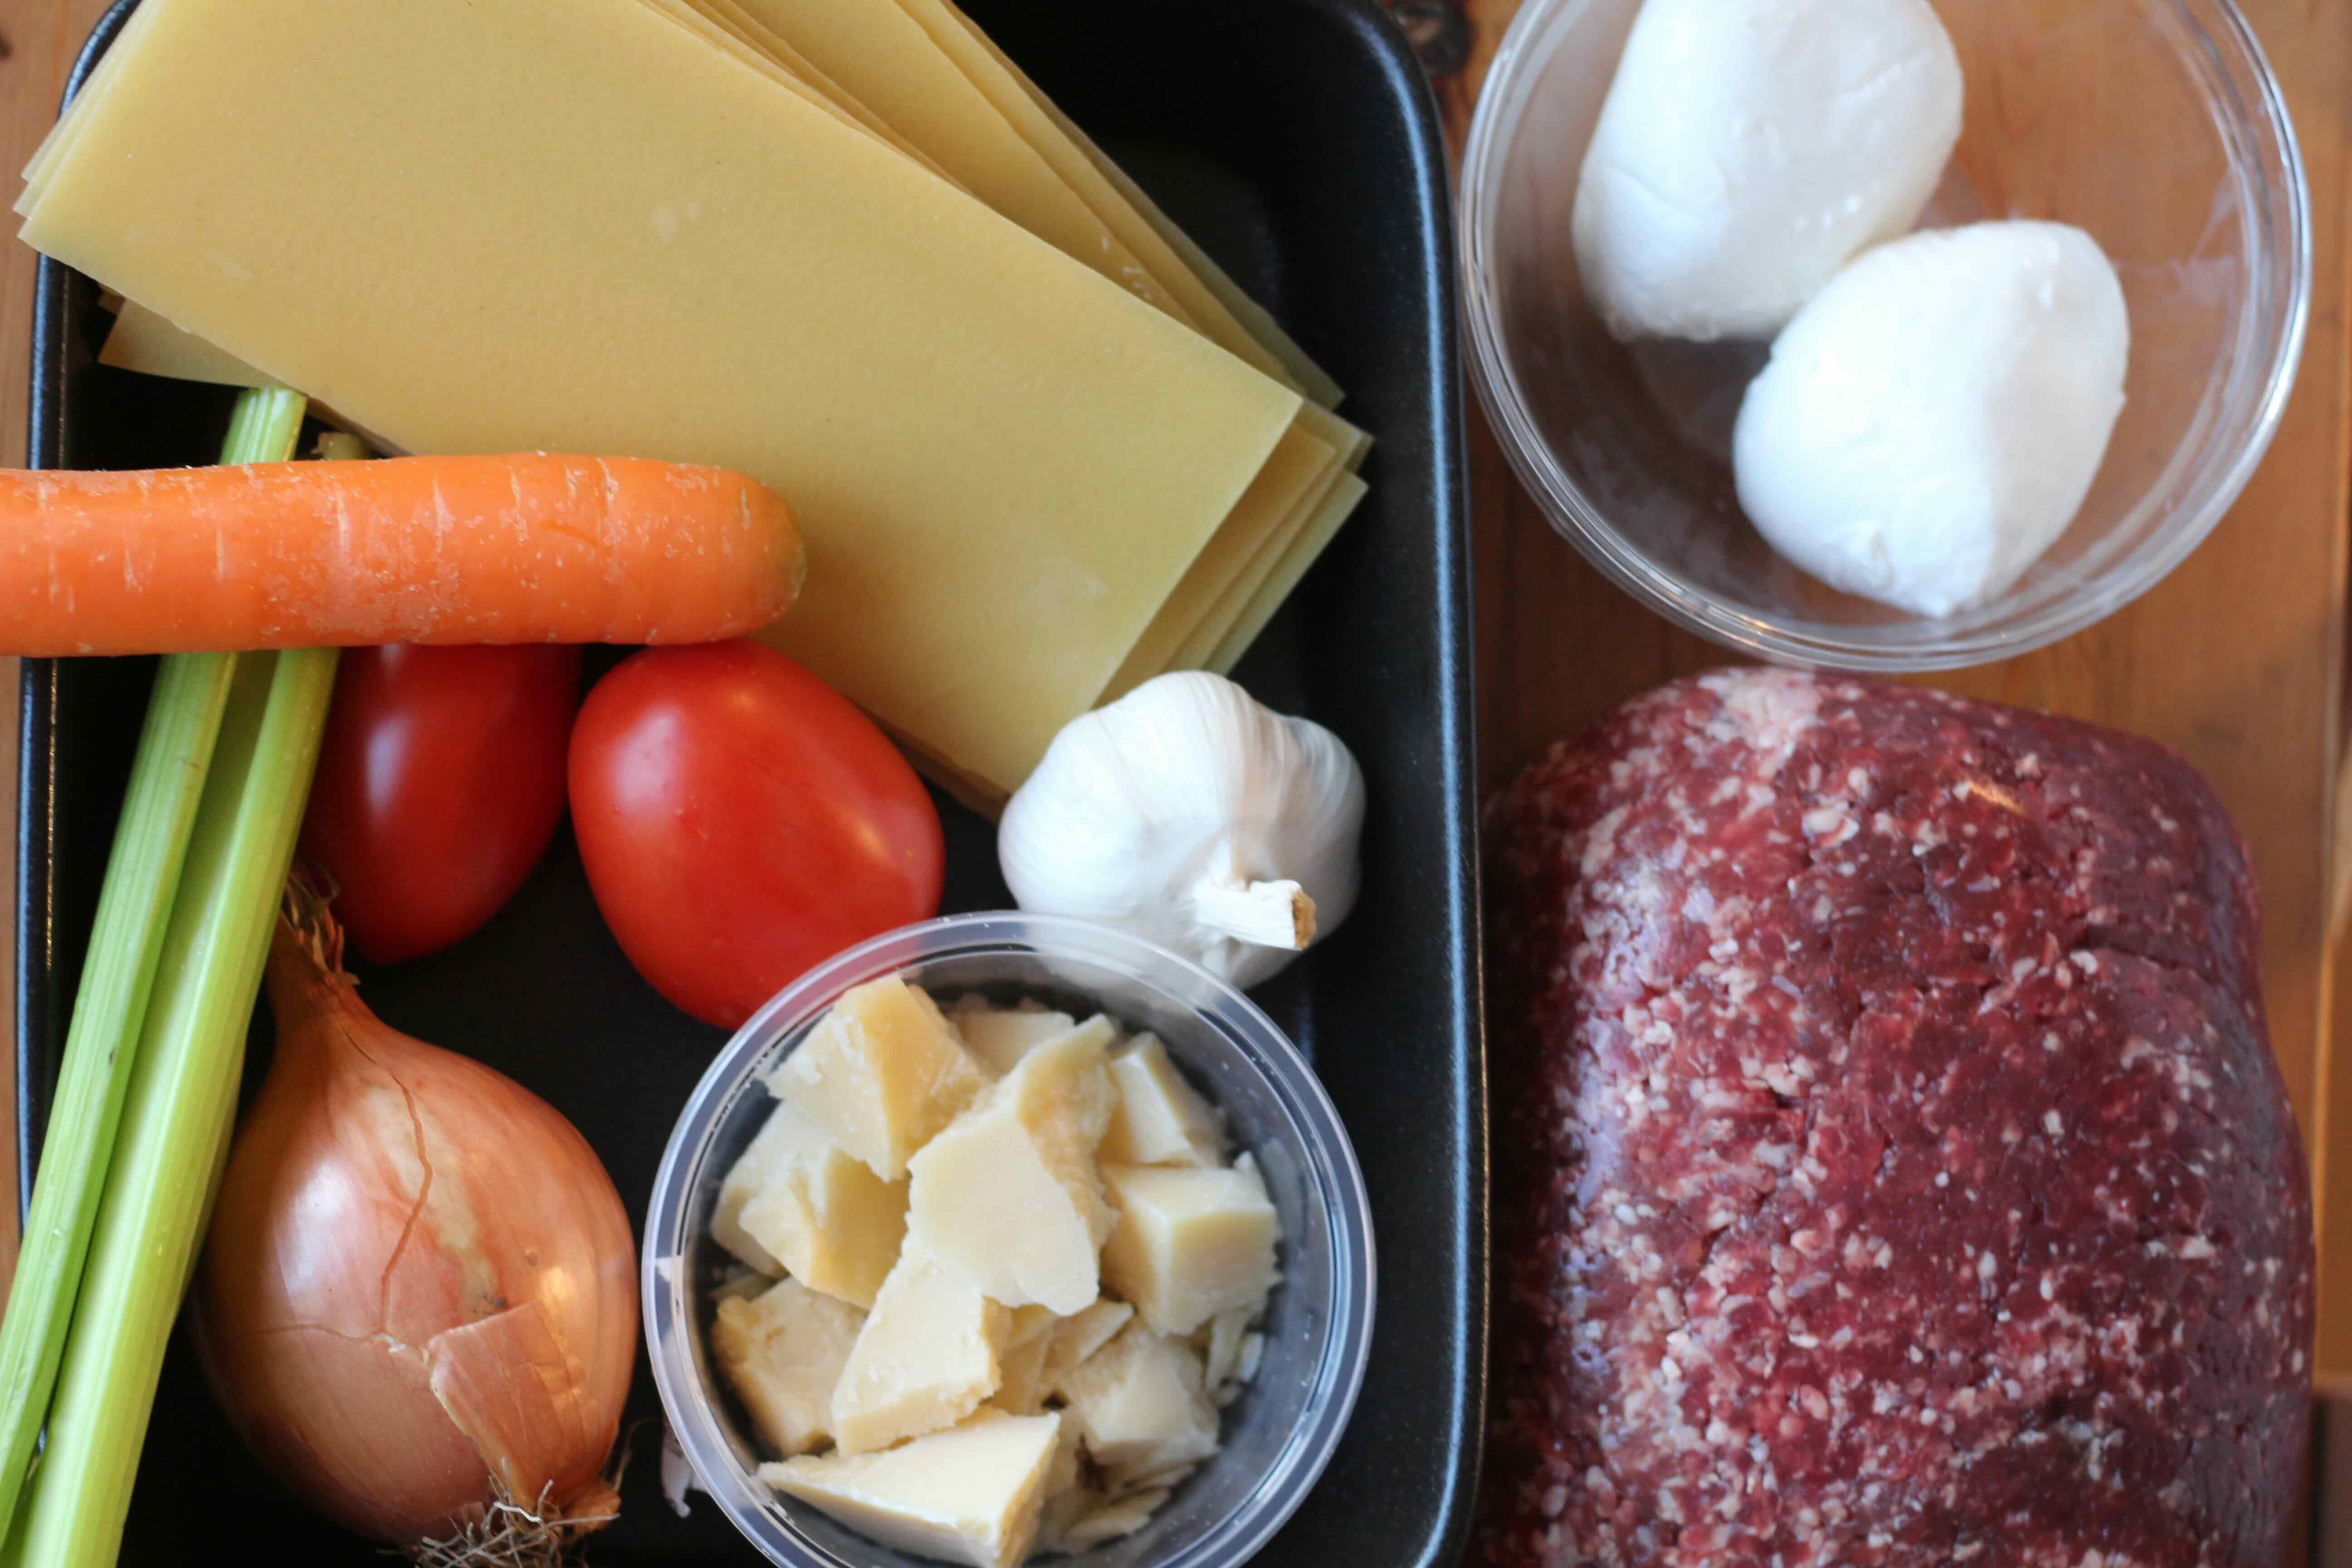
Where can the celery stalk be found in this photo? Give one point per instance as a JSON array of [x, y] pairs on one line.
[[136, 910], [181, 1106], [183, 718]]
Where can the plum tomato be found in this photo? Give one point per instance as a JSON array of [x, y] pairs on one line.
[[440, 781], [741, 822]]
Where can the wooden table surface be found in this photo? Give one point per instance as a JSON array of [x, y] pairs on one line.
[[2236, 660]]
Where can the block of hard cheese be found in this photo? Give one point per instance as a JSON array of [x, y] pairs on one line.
[[929, 1352], [583, 228], [970, 1494], [1141, 1403], [833, 1225], [1159, 1118], [880, 1073], [998, 1037], [781, 1351], [1008, 1193], [1189, 1244]]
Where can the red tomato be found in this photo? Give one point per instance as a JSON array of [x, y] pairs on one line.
[[440, 781], [741, 821]]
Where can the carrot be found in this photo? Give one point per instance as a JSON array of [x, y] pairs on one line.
[[535, 548]]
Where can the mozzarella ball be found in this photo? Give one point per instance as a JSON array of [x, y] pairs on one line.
[[1750, 148], [1930, 424]]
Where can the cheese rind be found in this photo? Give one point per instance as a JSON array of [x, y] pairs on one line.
[[930, 1353], [1188, 1243], [833, 1225], [1008, 1193], [969, 1494], [781, 1351], [1159, 1118], [1141, 1403], [879, 1074]]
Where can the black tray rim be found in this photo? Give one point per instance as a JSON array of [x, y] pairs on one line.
[[38, 1028]]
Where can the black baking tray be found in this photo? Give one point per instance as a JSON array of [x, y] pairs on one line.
[[1298, 141]]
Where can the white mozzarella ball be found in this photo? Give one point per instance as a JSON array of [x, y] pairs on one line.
[[1930, 424], [1750, 148]]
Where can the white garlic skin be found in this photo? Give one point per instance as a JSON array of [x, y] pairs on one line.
[[1749, 148], [1185, 780]]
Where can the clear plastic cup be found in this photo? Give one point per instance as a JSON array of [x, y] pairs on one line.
[[1276, 1437], [2154, 124]]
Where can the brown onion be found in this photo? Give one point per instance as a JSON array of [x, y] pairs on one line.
[[418, 1299]]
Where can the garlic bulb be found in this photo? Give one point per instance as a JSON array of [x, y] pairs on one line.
[[1190, 814]]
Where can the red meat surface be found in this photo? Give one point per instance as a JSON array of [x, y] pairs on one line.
[[1890, 1163]]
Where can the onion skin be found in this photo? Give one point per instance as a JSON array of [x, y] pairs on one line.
[[418, 1294]]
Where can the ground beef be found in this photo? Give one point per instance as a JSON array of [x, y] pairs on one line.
[[1890, 1164]]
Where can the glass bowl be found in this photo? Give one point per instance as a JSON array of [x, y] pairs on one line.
[[1276, 1437], [2154, 124]]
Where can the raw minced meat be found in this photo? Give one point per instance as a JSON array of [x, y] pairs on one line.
[[1890, 1164]]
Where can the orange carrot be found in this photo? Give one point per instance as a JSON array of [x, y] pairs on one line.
[[535, 548]]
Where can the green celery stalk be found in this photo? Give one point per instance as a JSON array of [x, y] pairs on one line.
[[135, 906], [150, 841], [181, 1107]]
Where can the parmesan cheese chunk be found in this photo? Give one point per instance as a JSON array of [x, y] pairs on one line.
[[1159, 1118], [970, 1494], [781, 1352], [770, 1153], [929, 1354], [1140, 1404], [1079, 1335], [1021, 1387], [1009, 1194], [999, 1037], [833, 1223], [1189, 1244], [880, 1073]]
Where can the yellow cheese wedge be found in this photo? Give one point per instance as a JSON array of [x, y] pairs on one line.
[[671, 255], [879, 1074], [1020, 1382], [1079, 1336], [1159, 1118], [770, 1150], [833, 1223], [970, 1494], [1140, 1402], [928, 1355], [1008, 1193], [1188, 1243], [998, 1037], [781, 1351]]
